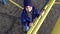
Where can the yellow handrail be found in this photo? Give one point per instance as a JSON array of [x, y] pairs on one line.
[[16, 4], [56, 29], [57, 2], [36, 21], [31, 28], [51, 3]]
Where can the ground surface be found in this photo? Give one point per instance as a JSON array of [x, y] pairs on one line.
[[10, 23]]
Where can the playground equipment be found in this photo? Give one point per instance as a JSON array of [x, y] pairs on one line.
[[50, 4], [38, 22], [56, 29], [57, 2], [16, 4]]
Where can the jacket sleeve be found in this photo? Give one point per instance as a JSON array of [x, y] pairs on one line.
[[37, 12], [23, 20]]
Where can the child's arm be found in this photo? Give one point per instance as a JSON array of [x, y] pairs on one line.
[[23, 20], [39, 13]]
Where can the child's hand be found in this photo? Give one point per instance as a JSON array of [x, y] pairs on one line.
[[42, 12], [30, 24]]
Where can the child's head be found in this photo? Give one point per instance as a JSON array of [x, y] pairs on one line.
[[28, 5], [29, 8]]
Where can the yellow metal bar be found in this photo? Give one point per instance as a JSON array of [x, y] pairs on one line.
[[31, 28], [16, 4], [46, 6], [56, 29], [57, 2], [51, 3], [36, 21]]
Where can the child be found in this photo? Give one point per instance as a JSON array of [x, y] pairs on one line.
[[4, 2], [28, 15]]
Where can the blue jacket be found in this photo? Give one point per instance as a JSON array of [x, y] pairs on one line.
[[26, 19]]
